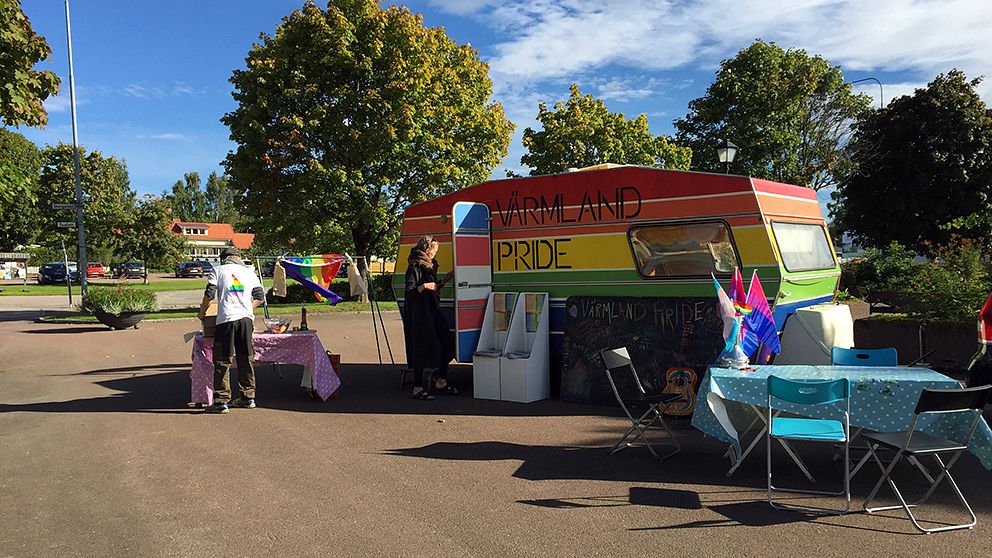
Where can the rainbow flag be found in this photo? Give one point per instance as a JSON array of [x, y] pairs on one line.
[[761, 324], [317, 273], [736, 293], [731, 326]]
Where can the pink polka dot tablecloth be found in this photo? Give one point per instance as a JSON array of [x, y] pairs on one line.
[[287, 348]]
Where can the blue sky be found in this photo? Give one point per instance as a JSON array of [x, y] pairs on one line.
[[151, 77]]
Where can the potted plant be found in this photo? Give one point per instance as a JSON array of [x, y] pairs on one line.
[[119, 307]]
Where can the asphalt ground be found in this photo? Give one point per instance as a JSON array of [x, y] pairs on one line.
[[100, 455]]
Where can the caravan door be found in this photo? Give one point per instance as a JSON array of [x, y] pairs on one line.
[[473, 263]]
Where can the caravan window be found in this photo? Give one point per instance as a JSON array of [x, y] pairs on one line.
[[804, 246], [683, 249]]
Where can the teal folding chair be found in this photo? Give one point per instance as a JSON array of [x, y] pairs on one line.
[[809, 392], [840, 356]]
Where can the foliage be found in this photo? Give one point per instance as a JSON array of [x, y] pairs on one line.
[[924, 165], [949, 288], [382, 287], [347, 115], [20, 163], [110, 200], [188, 201], [954, 287], [118, 299], [221, 207], [788, 111], [146, 237], [888, 269], [582, 132], [22, 89]]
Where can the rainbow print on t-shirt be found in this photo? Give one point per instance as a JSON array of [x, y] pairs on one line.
[[236, 287]]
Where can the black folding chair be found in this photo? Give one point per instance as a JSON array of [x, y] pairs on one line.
[[914, 444], [617, 361]]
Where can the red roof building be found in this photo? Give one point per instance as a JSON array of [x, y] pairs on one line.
[[206, 240]]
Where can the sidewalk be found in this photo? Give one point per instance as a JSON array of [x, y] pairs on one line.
[[166, 299]]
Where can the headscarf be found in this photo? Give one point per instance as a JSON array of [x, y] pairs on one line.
[[418, 255]]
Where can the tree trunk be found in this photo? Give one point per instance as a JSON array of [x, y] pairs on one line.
[[363, 248]]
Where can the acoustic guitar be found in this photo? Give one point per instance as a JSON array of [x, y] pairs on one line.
[[682, 379]]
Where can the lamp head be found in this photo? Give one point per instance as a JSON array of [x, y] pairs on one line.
[[726, 151]]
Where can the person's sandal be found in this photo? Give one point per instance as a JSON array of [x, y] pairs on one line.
[[448, 389], [423, 395]]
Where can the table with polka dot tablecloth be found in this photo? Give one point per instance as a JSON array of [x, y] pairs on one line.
[[883, 399]]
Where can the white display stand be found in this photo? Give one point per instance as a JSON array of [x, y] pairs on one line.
[[492, 341], [811, 332], [524, 375]]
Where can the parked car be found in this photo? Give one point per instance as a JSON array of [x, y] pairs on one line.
[[94, 269], [189, 269], [206, 265], [268, 268], [131, 270], [54, 272]]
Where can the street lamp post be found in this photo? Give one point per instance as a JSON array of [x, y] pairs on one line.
[[80, 233], [725, 152], [881, 93]]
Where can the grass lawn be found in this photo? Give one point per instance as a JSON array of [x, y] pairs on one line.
[[274, 310], [154, 285]]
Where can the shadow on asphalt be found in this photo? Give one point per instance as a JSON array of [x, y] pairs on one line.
[[637, 496], [371, 389], [74, 329], [20, 315]]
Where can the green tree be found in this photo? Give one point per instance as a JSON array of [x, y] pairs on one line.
[[106, 188], [221, 206], [922, 163], [22, 89], [788, 111], [583, 132], [188, 201], [146, 236], [20, 164], [347, 115]]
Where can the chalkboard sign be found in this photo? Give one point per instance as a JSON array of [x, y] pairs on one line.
[[663, 336]]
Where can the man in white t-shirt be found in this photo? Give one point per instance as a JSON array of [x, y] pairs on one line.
[[238, 292]]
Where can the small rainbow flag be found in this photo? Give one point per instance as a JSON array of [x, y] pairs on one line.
[[317, 273], [742, 308], [236, 287]]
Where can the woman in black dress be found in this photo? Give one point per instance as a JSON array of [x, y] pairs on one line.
[[428, 340]]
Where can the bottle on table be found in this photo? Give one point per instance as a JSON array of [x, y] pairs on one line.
[[303, 319]]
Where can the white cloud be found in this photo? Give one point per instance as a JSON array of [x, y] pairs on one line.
[[622, 90], [555, 39], [168, 136], [176, 89], [57, 103]]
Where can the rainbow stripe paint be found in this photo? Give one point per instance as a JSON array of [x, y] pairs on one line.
[[316, 273], [571, 234], [236, 287]]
